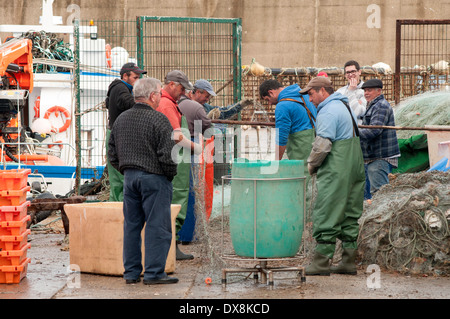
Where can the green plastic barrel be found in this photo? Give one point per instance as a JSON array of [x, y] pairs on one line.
[[278, 215]]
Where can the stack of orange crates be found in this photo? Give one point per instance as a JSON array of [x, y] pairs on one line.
[[13, 225]]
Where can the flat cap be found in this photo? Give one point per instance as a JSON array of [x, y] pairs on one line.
[[372, 83], [180, 77], [319, 81]]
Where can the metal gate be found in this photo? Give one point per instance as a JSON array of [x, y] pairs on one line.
[[203, 48], [422, 56]]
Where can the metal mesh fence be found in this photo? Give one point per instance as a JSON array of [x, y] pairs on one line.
[[422, 56]]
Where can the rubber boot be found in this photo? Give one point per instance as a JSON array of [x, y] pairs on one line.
[[347, 265], [182, 256], [320, 266]]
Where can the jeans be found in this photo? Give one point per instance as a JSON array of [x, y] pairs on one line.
[[147, 201], [367, 194], [378, 174]]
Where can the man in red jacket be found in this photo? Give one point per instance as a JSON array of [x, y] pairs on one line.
[[175, 84]]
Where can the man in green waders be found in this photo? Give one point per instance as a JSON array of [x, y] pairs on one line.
[[119, 98], [337, 159], [175, 84], [295, 118]]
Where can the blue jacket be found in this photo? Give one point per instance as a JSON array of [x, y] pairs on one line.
[[333, 118], [379, 143], [291, 117]]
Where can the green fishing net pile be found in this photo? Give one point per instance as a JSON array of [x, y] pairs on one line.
[[430, 108]]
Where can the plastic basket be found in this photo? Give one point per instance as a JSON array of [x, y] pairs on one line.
[[14, 179], [15, 273], [14, 197], [13, 257], [10, 213], [8, 242], [14, 228]]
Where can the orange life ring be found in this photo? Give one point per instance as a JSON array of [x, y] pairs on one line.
[[58, 109], [108, 56]]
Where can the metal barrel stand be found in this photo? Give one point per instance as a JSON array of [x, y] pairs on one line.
[[266, 273]]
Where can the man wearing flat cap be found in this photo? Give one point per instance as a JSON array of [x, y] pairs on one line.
[[337, 160], [379, 146], [119, 98], [175, 85]]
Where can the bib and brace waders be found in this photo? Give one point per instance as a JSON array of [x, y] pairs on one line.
[[339, 202], [180, 182]]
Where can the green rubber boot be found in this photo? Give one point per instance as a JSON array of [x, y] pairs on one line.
[[347, 265], [320, 266]]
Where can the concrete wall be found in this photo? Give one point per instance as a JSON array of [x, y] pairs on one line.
[[277, 33]]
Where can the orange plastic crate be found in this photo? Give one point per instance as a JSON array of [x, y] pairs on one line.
[[14, 274], [14, 179], [14, 197], [14, 228], [13, 257], [14, 242], [10, 213]]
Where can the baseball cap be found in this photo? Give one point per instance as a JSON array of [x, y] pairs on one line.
[[319, 81], [322, 74], [180, 77], [372, 83], [205, 85], [131, 67]]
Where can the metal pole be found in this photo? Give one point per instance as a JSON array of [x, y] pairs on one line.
[[77, 104]]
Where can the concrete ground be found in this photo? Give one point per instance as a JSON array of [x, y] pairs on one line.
[[48, 278]]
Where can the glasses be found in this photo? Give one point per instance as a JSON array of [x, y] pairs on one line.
[[157, 92], [351, 72]]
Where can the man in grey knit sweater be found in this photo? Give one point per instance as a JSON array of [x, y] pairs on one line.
[[140, 147]]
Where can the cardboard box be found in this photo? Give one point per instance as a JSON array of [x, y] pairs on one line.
[[96, 237], [434, 138]]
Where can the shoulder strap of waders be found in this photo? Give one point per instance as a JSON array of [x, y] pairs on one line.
[[355, 126], [312, 119]]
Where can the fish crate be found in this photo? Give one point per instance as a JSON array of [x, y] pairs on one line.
[[14, 228], [12, 242], [14, 197], [14, 179], [15, 273], [14, 213], [14, 257]]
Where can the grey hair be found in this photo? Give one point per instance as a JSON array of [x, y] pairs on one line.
[[144, 87]]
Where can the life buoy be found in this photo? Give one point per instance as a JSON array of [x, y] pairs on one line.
[[59, 145], [108, 56], [57, 110]]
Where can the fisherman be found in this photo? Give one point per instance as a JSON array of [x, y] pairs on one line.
[[140, 147], [336, 158], [380, 146], [175, 85], [119, 98], [295, 120]]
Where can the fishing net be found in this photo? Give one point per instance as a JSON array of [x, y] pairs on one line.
[[430, 108], [406, 228]]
